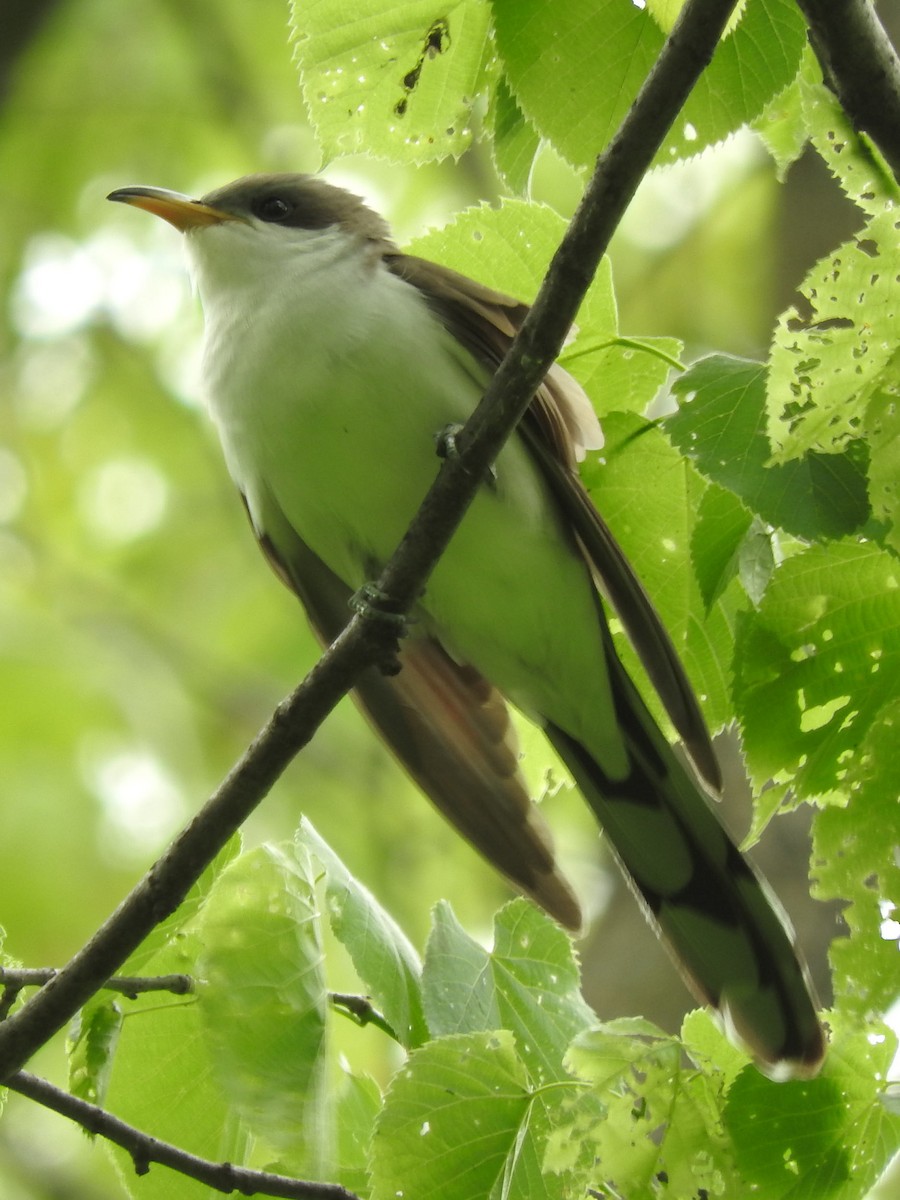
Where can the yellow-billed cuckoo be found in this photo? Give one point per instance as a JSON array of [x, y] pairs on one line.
[[331, 362]]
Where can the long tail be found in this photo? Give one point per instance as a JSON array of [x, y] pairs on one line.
[[722, 924]]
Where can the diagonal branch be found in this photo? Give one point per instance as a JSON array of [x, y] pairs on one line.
[[144, 1149], [619, 169], [861, 67]]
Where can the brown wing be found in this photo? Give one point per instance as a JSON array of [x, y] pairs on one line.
[[449, 728], [559, 426]]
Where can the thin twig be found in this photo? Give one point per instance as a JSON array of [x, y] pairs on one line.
[[620, 168], [362, 1011], [129, 985], [145, 1150]]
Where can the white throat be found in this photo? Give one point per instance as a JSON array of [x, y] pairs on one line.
[[318, 365]]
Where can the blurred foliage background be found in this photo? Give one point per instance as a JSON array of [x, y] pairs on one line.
[[142, 640]]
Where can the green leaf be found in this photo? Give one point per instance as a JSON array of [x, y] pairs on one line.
[[707, 1045], [358, 1106], [162, 1081], [509, 248], [783, 1131], [515, 142], [782, 125], [852, 159], [167, 931], [609, 46], [830, 359], [451, 1120], [722, 428], [722, 525], [883, 424], [263, 1001], [855, 860], [92, 1044], [835, 352], [529, 984], [825, 1139], [399, 81], [649, 494], [623, 373], [381, 953], [817, 665], [662, 1121]]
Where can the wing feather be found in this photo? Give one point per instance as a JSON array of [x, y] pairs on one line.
[[448, 726], [559, 427]]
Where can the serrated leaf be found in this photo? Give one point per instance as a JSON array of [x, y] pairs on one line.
[[756, 561], [263, 1001], [817, 664], [782, 125], [706, 1043], [529, 984], [382, 955], [604, 1053], [515, 141], [451, 1119], [609, 46], [399, 81], [852, 159], [722, 428]]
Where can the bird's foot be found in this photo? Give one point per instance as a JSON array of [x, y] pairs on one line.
[[371, 603], [446, 441]]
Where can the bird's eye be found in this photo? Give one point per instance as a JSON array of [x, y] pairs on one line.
[[272, 208]]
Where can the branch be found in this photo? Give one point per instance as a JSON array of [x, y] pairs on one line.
[[362, 1012], [365, 640], [145, 1150], [861, 67], [14, 980]]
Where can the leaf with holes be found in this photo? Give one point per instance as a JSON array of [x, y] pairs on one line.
[[817, 664], [400, 81]]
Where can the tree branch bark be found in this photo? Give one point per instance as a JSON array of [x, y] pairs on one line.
[[861, 67], [618, 172], [144, 1150]]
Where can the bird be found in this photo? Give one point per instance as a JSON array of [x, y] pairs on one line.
[[333, 365]]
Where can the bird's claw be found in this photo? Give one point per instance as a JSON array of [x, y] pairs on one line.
[[371, 603], [446, 442]]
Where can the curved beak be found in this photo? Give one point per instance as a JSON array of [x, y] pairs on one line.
[[180, 211]]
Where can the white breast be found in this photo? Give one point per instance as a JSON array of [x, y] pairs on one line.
[[328, 379]]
